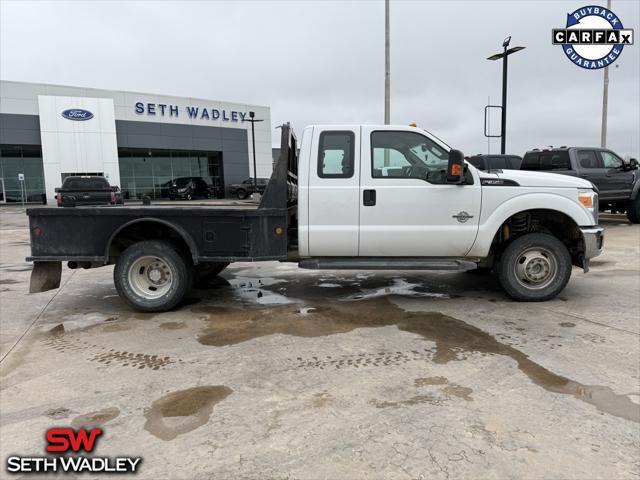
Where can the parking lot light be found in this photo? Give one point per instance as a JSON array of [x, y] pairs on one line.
[[505, 53]]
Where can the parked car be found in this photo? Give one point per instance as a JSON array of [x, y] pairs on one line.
[[189, 188], [332, 208], [85, 190], [617, 180], [244, 189], [489, 162]]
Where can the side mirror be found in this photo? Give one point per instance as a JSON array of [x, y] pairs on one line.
[[455, 168], [633, 163]]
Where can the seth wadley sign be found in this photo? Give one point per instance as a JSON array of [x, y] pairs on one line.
[[199, 113]]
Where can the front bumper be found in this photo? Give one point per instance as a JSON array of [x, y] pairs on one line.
[[593, 238]]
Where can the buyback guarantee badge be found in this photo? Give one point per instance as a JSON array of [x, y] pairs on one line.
[[593, 37]]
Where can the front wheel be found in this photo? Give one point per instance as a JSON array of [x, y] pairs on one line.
[[151, 276], [241, 194], [633, 212], [534, 268]]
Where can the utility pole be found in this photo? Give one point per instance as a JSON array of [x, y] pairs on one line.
[[605, 99], [387, 62]]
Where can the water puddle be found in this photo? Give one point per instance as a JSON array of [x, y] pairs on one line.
[[183, 411], [453, 338], [95, 419], [172, 325]]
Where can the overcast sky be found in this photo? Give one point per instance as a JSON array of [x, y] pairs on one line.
[[323, 62]]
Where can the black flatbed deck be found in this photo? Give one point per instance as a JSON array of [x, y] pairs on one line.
[[208, 231]]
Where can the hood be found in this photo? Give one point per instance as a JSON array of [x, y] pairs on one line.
[[539, 179]]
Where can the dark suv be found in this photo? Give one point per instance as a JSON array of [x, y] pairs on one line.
[[617, 180], [190, 187], [495, 162]]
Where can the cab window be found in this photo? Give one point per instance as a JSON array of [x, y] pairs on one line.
[[588, 159], [400, 154], [335, 154]]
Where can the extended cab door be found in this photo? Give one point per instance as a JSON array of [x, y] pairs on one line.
[[406, 207], [334, 187]]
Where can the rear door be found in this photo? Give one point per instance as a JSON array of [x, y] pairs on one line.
[[334, 187], [619, 182], [406, 208]]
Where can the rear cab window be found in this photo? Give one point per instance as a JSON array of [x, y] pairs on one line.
[[336, 154], [546, 160], [79, 183]]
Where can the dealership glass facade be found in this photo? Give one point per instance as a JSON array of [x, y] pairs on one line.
[[21, 159], [145, 172]]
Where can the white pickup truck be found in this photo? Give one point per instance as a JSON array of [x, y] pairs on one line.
[[354, 197]]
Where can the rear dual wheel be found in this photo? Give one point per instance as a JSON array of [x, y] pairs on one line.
[[152, 276]]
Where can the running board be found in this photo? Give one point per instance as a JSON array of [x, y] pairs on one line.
[[387, 263]]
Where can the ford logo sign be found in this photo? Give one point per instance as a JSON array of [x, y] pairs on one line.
[[77, 114]]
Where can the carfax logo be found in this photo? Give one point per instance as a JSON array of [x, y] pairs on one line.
[[593, 38], [68, 443]]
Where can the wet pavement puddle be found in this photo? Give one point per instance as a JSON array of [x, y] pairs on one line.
[[453, 338], [183, 411], [95, 419]]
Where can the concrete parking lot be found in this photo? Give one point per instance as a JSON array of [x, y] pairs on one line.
[[275, 372]]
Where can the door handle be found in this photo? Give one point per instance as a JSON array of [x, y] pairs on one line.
[[585, 175], [369, 198]]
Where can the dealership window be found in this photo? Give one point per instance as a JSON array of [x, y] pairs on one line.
[[145, 172], [21, 159]]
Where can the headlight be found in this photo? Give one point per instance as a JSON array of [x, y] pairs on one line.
[[589, 200], [181, 190]]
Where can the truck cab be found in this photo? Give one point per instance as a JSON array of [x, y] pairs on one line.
[[379, 191]]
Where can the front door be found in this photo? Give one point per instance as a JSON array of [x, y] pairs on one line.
[[619, 182], [406, 207], [592, 169]]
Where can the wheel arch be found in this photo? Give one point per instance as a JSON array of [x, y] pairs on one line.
[[538, 220], [134, 231], [492, 222]]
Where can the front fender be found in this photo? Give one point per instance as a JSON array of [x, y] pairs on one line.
[[492, 221]]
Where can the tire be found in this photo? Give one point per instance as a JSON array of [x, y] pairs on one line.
[[522, 267], [152, 276], [633, 212], [242, 194]]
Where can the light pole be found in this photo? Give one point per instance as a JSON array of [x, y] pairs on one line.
[[506, 52], [387, 66], [253, 120], [605, 99]]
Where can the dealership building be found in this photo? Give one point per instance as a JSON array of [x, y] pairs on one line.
[[141, 142]]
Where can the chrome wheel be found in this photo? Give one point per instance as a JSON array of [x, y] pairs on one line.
[[536, 268], [150, 277]]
